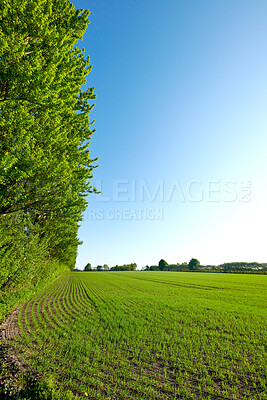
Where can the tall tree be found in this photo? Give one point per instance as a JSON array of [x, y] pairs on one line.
[[45, 132], [193, 263], [162, 264], [88, 267]]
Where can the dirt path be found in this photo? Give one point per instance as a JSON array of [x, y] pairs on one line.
[[16, 377], [10, 328]]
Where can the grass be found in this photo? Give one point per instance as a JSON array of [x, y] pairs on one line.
[[144, 335]]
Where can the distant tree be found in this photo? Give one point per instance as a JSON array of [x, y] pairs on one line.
[[88, 267], [99, 268], [105, 267], [154, 268], [133, 266], [124, 267], [162, 264], [173, 267], [193, 263]]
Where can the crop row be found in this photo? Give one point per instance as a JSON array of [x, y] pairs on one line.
[[146, 336]]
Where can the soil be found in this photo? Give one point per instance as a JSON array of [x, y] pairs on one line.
[[16, 378]]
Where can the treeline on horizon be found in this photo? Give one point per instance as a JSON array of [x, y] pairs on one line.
[[105, 267], [193, 266], [45, 163], [226, 267]]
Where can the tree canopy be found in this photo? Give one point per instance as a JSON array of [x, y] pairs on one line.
[[124, 267], [193, 263], [45, 162], [88, 267], [162, 264]]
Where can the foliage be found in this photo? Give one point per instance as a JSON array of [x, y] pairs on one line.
[[104, 267], [153, 268], [162, 264], [88, 267], [241, 266], [124, 267], [23, 286], [45, 163], [193, 264]]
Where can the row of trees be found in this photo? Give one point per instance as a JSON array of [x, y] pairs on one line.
[[194, 265], [242, 266], [45, 163], [125, 267], [88, 267]]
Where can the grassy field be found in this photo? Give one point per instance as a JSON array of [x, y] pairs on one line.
[[141, 335]]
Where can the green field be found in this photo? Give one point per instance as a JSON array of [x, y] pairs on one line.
[[145, 335]]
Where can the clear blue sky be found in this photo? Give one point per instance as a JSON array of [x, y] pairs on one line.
[[181, 131]]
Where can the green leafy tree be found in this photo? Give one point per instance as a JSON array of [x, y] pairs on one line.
[[45, 127], [45, 131], [162, 264], [193, 264], [124, 267], [99, 268], [105, 267], [88, 267], [154, 268]]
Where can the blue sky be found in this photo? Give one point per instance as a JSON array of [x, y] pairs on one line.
[[180, 131]]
